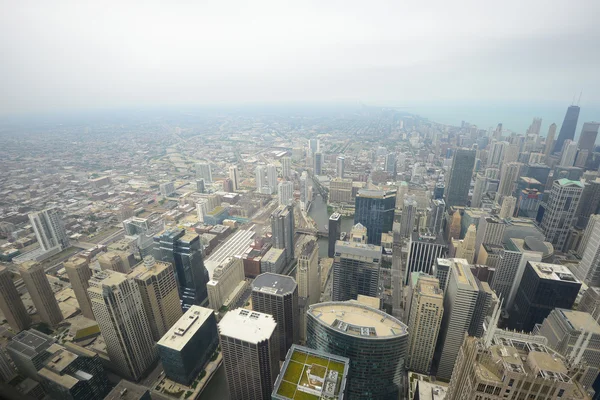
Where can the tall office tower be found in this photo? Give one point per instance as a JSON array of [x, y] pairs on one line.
[[278, 295], [334, 232], [509, 270], [587, 138], [459, 305], [167, 188], [39, 288], [352, 329], [286, 167], [589, 203], [317, 163], [187, 347], [486, 301], [27, 349], [454, 226], [567, 130], [588, 269], [590, 228], [435, 219], [409, 213], [308, 277], [423, 249], [550, 140], [183, 250], [227, 284], [233, 177], [490, 231], [566, 330], [119, 311], [340, 167], [590, 302], [498, 132], [203, 171], [49, 229], [459, 181], [74, 374], [400, 193], [200, 187], [543, 288], [478, 190], [560, 213], [426, 311], [496, 154], [259, 177], [285, 192], [7, 369], [79, 273], [569, 153], [582, 158], [283, 229], [250, 352], [374, 209], [117, 261], [356, 268], [535, 126], [11, 304], [305, 193], [158, 286], [512, 365], [509, 174], [324, 375], [466, 249], [438, 191], [314, 146], [227, 185], [508, 207], [272, 178], [390, 164]]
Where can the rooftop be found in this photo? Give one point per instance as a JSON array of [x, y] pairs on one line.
[[568, 182], [355, 318], [234, 246], [274, 283], [273, 255], [554, 272], [185, 328], [30, 342], [248, 326], [126, 390], [358, 249], [579, 320], [376, 194]]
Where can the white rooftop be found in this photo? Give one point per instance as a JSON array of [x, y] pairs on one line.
[[246, 325], [185, 328], [553, 272], [235, 246]]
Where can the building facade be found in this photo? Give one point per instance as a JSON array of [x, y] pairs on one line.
[[41, 292], [11, 304], [79, 273], [459, 178], [49, 229], [374, 209]]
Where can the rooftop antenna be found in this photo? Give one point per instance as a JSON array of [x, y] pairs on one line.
[[579, 100]]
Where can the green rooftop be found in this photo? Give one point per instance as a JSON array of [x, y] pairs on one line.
[[568, 182]]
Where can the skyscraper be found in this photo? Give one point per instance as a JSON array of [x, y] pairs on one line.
[[509, 174], [203, 171], [118, 261], [352, 329], [11, 304], [79, 273], [374, 209], [459, 305], [317, 163], [478, 190], [167, 188], [340, 167], [588, 135], [283, 230], [390, 164], [278, 295], [588, 269], [535, 126], [567, 130], [589, 228], [550, 140], [490, 231], [461, 172], [426, 311], [158, 287], [286, 167], [285, 192], [543, 288], [496, 153], [200, 187], [259, 173], [356, 267], [39, 288], [49, 230], [27, 349], [423, 249], [508, 207], [569, 153], [233, 177], [435, 219], [409, 213], [184, 252], [560, 212], [334, 231], [466, 248], [119, 311], [250, 354], [272, 178], [308, 278]]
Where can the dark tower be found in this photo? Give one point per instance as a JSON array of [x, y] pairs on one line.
[[567, 130]]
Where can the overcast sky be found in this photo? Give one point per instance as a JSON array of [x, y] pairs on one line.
[[64, 55]]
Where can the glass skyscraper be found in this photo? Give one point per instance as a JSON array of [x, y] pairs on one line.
[[374, 209], [567, 130], [459, 180]]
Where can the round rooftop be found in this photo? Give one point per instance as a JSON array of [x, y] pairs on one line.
[[535, 244]]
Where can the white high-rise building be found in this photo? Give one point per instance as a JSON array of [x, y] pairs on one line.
[[590, 227], [272, 177], [79, 273], [35, 280], [489, 231], [203, 170], [466, 248], [286, 167], [49, 230], [569, 153], [588, 269], [227, 284], [308, 277], [250, 349], [119, 310], [426, 311], [478, 190], [261, 182], [496, 154], [560, 214], [508, 177], [340, 167], [233, 176], [508, 207], [285, 192]]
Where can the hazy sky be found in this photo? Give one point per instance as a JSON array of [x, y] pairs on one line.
[[59, 55]]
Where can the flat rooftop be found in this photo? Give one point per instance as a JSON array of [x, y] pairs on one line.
[[248, 326], [358, 249], [463, 275], [274, 283], [185, 328], [351, 316], [236, 245], [553, 272], [581, 320], [30, 342]]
